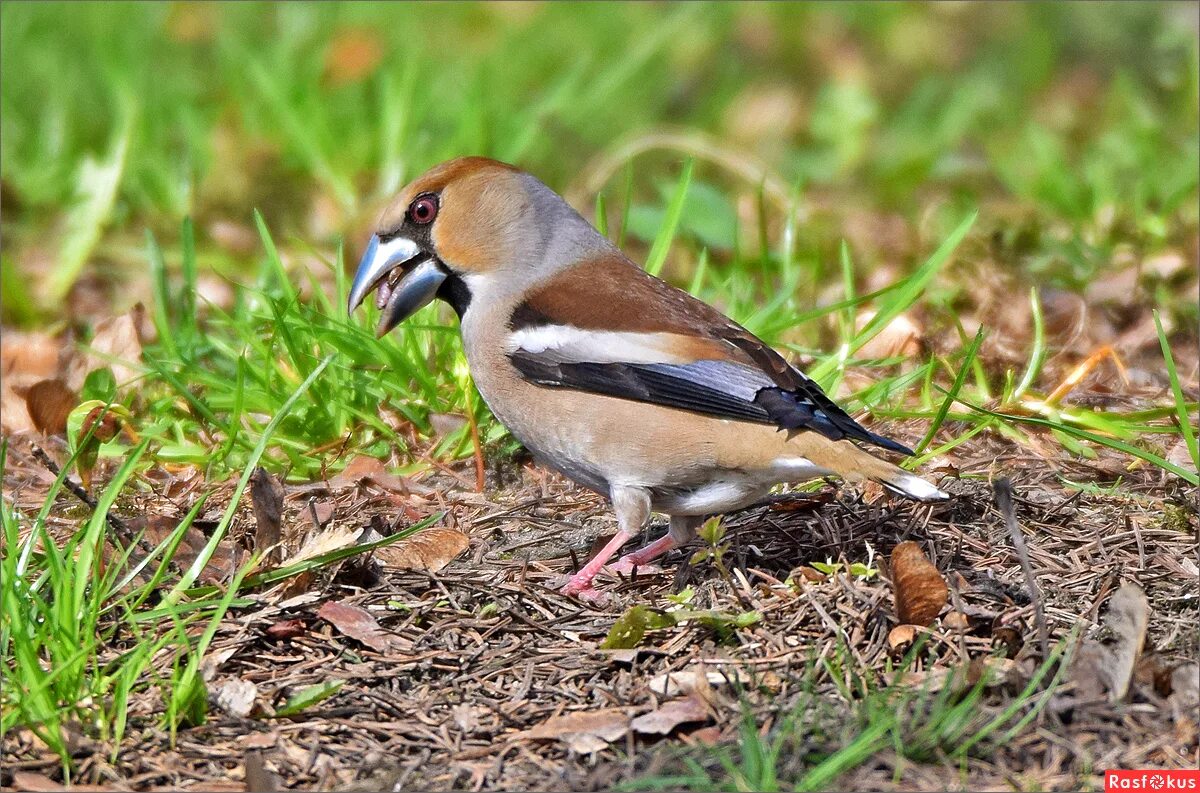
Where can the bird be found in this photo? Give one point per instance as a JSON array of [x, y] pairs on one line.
[[607, 374]]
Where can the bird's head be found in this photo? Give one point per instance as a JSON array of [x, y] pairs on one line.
[[463, 226]]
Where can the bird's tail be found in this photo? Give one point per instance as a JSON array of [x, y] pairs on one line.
[[854, 464]]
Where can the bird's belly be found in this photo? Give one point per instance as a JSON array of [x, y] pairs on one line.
[[691, 464], [723, 493]]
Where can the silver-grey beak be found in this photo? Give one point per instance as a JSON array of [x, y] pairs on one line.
[[400, 294]]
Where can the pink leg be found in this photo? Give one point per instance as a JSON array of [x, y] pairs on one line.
[[642, 556], [632, 505], [582, 581], [682, 531]]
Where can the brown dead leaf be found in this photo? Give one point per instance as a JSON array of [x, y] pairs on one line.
[[116, 344], [357, 623], [40, 783], [266, 496], [28, 356], [352, 56], [370, 470], [670, 715], [25, 359], [993, 671], [430, 549], [221, 566], [1100, 668], [320, 513], [259, 778], [110, 424], [920, 591], [1128, 615], [901, 637], [444, 424], [584, 732], [287, 629], [705, 736], [957, 621], [699, 679], [260, 740], [49, 402]]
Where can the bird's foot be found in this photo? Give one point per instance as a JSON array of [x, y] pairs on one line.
[[627, 564], [580, 586]]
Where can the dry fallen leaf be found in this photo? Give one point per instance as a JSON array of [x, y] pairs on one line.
[[430, 549], [368, 469], [670, 715], [357, 623], [221, 566], [1099, 668], [901, 637], [40, 783], [49, 402], [320, 513], [584, 732], [1128, 615], [25, 359], [920, 590], [266, 496], [700, 679], [287, 629], [116, 344], [993, 671]]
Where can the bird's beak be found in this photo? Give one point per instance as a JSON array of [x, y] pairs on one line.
[[406, 279]]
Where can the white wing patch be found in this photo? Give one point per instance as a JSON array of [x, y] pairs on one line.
[[565, 343]]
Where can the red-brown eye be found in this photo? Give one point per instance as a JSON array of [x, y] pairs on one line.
[[423, 210]]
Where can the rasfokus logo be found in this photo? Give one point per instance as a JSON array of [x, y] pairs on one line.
[[1151, 780]]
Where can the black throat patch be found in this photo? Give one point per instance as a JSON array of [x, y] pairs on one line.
[[454, 291]]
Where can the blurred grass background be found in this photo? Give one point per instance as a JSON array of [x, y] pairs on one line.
[[1076, 123]]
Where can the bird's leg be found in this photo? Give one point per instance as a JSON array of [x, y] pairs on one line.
[[632, 505], [683, 530]]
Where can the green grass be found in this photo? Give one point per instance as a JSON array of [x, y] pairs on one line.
[[90, 623], [813, 742]]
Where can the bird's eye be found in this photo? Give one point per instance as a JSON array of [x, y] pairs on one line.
[[424, 209]]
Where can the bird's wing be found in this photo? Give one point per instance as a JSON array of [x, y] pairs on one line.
[[623, 333]]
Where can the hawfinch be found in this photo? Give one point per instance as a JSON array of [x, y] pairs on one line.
[[621, 382]]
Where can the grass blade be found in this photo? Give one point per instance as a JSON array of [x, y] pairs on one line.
[[1184, 418], [666, 233], [952, 395]]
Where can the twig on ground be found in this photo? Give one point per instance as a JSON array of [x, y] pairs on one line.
[[126, 534], [1004, 500]]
